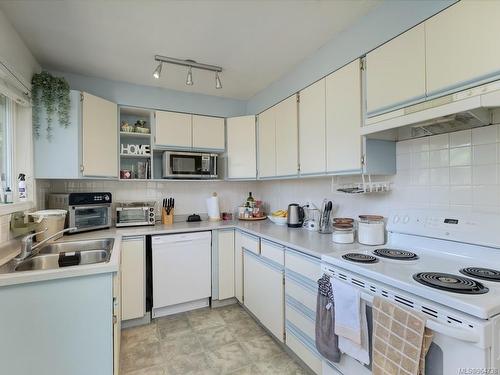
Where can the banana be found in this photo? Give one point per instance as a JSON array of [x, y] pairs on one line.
[[280, 213]]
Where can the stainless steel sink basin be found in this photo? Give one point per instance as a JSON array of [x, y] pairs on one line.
[[51, 261], [59, 247], [91, 252]]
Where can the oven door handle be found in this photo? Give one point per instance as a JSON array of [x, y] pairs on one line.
[[449, 331]]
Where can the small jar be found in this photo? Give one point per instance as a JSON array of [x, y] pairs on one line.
[[371, 230], [343, 233]]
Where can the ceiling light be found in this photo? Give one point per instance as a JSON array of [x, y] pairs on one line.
[[190, 64], [218, 83], [189, 79], [157, 72]]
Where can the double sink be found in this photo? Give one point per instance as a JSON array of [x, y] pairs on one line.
[[47, 257]]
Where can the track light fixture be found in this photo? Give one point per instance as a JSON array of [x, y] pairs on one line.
[[190, 64], [189, 78], [218, 83], [157, 72]]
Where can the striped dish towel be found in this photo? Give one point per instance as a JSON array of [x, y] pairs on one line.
[[400, 340]]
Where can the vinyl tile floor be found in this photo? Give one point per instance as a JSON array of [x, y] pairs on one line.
[[208, 341]]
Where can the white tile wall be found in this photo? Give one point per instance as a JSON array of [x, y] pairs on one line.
[[464, 168], [189, 196]]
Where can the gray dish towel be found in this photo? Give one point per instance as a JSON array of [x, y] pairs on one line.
[[326, 339]]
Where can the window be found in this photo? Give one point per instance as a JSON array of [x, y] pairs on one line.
[[5, 142]]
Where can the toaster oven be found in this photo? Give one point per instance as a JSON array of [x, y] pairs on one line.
[[130, 214]]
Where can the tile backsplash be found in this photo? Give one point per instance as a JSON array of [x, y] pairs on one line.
[[457, 170], [189, 195]]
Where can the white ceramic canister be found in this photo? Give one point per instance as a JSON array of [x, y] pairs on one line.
[[371, 230]]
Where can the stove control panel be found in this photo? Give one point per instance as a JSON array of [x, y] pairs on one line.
[[464, 227]]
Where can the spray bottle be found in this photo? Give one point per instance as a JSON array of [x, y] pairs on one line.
[[23, 194]]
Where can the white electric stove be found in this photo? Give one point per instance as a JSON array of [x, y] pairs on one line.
[[446, 266]]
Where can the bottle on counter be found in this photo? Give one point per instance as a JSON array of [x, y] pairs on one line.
[[8, 196], [23, 194], [250, 202]]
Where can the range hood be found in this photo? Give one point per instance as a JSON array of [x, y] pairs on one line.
[[475, 107]]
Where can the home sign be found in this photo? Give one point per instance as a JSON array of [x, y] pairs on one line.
[[135, 149]]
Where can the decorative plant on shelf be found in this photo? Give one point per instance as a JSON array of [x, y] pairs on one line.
[[51, 94]]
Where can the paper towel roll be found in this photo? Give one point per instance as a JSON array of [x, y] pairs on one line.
[[213, 208]]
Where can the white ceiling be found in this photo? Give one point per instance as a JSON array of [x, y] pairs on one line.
[[256, 42]]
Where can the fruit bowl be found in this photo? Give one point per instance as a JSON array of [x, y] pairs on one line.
[[278, 220]]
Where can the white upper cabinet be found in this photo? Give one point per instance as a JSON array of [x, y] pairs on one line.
[[267, 143], [183, 130], [462, 46], [287, 137], [208, 133], [312, 146], [173, 129], [99, 137], [395, 72], [241, 147], [343, 119]]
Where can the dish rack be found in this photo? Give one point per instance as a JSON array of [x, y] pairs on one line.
[[365, 187]]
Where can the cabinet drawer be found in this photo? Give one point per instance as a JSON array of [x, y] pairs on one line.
[[273, 251], [304, 351], [304, 265], [250, 242], [306, 295], [301, 320]]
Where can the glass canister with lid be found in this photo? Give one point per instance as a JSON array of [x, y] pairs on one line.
[[343, 232], [371, 230]]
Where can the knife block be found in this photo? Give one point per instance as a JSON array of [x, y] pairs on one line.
[[167, 219]]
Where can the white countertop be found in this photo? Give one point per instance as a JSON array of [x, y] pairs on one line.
[[311, 243]]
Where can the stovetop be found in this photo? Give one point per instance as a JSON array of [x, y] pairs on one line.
[[447, 257], [422, 257]]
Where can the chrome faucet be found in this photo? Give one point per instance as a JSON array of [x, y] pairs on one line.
[[27, 247]]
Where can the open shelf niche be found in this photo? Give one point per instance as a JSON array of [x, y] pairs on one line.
[[135, 145]]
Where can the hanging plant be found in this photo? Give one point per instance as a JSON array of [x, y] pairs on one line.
[[49, 94]]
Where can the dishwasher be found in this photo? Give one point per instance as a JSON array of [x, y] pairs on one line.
[[181, 267]]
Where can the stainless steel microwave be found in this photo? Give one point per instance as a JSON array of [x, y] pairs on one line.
[[189, 165]]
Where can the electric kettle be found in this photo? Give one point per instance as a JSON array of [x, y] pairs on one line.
[[296, 215]]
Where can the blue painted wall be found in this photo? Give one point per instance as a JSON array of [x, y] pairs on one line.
[[387, 20], [155, 97]]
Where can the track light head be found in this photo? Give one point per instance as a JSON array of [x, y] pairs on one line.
[[157, 72], [218, 83], [189, 78]]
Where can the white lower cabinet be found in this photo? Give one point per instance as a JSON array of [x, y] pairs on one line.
[[301, 274], [223, 264], [133, 278], [264, 292], [304, 350], [238, 266]]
